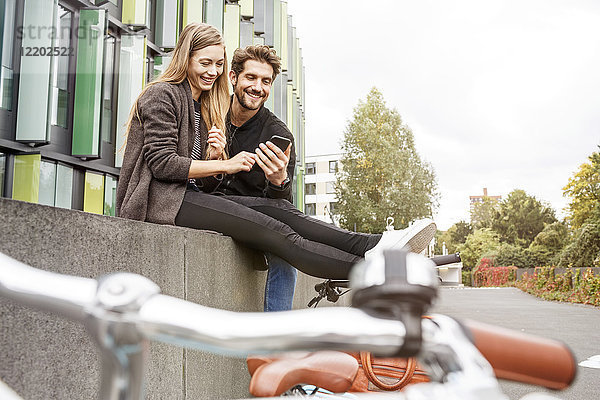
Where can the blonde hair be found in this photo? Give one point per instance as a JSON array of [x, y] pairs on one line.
[[214, 103]]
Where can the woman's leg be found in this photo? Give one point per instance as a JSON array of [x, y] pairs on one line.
[[262, 232], [310, 228]]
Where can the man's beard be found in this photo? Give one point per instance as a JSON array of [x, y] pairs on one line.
[[244, 103]]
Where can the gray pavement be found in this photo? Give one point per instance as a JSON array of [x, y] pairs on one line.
[[575, 324]]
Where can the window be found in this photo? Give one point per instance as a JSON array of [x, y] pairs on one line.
[[6, 74], [106, 125], [310, 168], [333, 167], [110, 196], [93, 196], [60, 73], [47, 183], [311, 188], [64, 186], [310, 209], [330, 187], [26, 177], [333, 207], [2, 173], [88, 88]]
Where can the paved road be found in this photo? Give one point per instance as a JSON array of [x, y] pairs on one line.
[[577, 325]]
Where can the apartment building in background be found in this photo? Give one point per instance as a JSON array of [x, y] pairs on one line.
[[319, 186], [479, 199], [71, 70]]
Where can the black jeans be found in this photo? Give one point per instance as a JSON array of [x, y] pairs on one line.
[[274, 225]]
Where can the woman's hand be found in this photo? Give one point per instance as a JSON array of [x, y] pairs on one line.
[[242, 161], [216, 143]]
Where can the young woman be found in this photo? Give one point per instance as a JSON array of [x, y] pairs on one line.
[[175, 134]]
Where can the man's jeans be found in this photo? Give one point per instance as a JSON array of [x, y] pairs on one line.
[[281, 282]]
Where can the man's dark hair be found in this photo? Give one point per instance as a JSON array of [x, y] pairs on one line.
[[258, 53]]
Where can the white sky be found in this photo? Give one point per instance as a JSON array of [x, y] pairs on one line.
[[502, 94]]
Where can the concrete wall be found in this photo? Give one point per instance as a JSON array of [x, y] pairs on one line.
[[44, 357]]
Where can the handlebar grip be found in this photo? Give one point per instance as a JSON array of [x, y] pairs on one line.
[[524, 358], [447, 259]]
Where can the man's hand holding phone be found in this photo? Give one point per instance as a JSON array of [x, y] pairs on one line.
[[273, 159]]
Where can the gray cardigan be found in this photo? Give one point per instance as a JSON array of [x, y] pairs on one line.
[[157, 157]]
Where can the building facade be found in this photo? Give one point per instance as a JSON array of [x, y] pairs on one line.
[[319, 187], [479, 199], [71, 70]]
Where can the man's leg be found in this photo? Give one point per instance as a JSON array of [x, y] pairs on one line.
[[280, 285]]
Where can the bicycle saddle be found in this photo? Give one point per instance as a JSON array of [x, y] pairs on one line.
[[272, 376]]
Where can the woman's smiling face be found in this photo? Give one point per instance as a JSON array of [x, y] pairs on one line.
[[205, 66]]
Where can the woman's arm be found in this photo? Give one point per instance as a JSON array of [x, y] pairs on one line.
[[202, 168]]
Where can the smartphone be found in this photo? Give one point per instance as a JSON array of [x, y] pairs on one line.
[[280, 142]]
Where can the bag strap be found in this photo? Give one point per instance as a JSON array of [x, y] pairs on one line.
[[366, 361]]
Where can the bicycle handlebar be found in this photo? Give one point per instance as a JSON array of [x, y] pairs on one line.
[[167, 319], [65, 295], [132, 303], [447, 259]]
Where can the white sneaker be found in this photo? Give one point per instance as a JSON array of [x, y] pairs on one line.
[[416, 237]]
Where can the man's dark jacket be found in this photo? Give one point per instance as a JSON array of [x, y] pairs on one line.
[[247, 137]]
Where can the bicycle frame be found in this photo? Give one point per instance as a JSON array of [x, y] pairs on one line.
[[123, 312]]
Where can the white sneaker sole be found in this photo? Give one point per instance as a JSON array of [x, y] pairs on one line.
[[422, 238]]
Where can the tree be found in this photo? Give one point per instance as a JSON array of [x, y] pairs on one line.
[[548, 244], [584, 190], [382, 172], [482, 241], [584, 215], [483, 212], [584, 250], [453, 237], [520, 218]]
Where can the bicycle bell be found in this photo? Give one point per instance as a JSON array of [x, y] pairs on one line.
[[396, 284]]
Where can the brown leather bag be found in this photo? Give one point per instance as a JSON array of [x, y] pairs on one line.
[[385, 374]]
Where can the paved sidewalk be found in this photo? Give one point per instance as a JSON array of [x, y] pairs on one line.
[[575, 324]]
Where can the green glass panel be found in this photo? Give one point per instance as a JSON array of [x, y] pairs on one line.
[[134, 12], [60, 73], [88, 84], [165, 31], [283, 24], [214, 13], [259, 40], [33, 124], [293, 61], [160, 64], [110, 195], [106, 125], [7, 28], [26, 177], [47, 183], [192, 11], [131, 83], [231, 29], [64, 186], [303, 88], [246, 33], [247, 8], [290, 109], [260, 14], [2, 173], [277, 26], [93, 195], [297, 67], [289, 46], [299, 188], [271, 102]]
